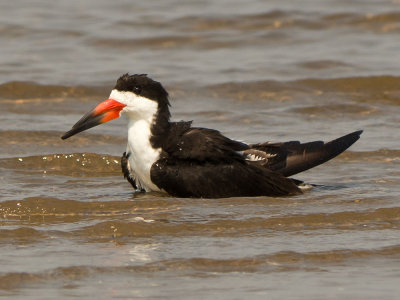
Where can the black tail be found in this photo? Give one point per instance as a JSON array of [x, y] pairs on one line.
[[301, 157]]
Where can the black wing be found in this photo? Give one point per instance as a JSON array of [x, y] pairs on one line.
[[202, 162], [184, 178], [293, 157], [203, 145]]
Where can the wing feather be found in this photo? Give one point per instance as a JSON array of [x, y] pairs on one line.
[[210, 180], [292, 157], [204, 145]]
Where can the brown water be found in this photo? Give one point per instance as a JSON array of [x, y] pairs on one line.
[[71, 226]]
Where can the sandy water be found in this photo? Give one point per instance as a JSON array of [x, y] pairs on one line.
[[71, 226]]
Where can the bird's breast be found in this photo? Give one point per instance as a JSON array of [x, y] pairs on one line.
[[142, 154]]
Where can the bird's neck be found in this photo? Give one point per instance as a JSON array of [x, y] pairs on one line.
[[149, 132], [145, 139], [159, 128]]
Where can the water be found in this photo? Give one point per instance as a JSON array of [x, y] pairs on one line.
[[71, 226]]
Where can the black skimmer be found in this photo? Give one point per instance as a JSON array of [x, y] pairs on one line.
[[187, 161]]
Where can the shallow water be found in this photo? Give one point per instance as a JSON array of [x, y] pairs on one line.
[[71, 226]]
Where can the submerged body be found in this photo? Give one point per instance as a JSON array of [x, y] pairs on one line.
[[186, 161]]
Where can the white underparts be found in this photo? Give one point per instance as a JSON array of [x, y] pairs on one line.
[[142, 154], [141, 113]]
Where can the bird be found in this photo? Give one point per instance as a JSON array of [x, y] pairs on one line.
[[193, 162]]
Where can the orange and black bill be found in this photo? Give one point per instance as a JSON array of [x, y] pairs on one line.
[[104, 112]]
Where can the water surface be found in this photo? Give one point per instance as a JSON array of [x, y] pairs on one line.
[[71, 226]]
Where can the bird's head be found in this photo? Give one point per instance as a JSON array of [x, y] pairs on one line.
[[138, 96]]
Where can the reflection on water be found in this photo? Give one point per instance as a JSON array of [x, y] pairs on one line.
[[71, 226]]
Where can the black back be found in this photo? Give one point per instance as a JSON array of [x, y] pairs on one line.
[[199, 162]]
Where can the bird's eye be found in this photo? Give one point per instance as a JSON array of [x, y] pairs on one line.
[[137, 89]]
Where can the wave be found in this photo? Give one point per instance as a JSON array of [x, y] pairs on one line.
[[382, 218], [21, 234], [30, 90], [369, 89], [280, 261], [384, 88], [215, 32], [382, 155], [145, 218], [62, 208], [276, 262], [52, 138], [74, 164], [276, 19]]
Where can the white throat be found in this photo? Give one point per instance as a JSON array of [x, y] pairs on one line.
[[141, 113]]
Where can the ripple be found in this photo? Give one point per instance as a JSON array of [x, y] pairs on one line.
[[383, 218], [74, 164], [277, 262], [360, 89], [30, 90]]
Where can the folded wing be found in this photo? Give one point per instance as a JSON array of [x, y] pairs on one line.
[[293, 157]]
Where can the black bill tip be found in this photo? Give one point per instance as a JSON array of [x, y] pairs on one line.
[[88, 121]]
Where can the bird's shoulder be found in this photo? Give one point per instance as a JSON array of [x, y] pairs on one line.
[[201, 144]]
